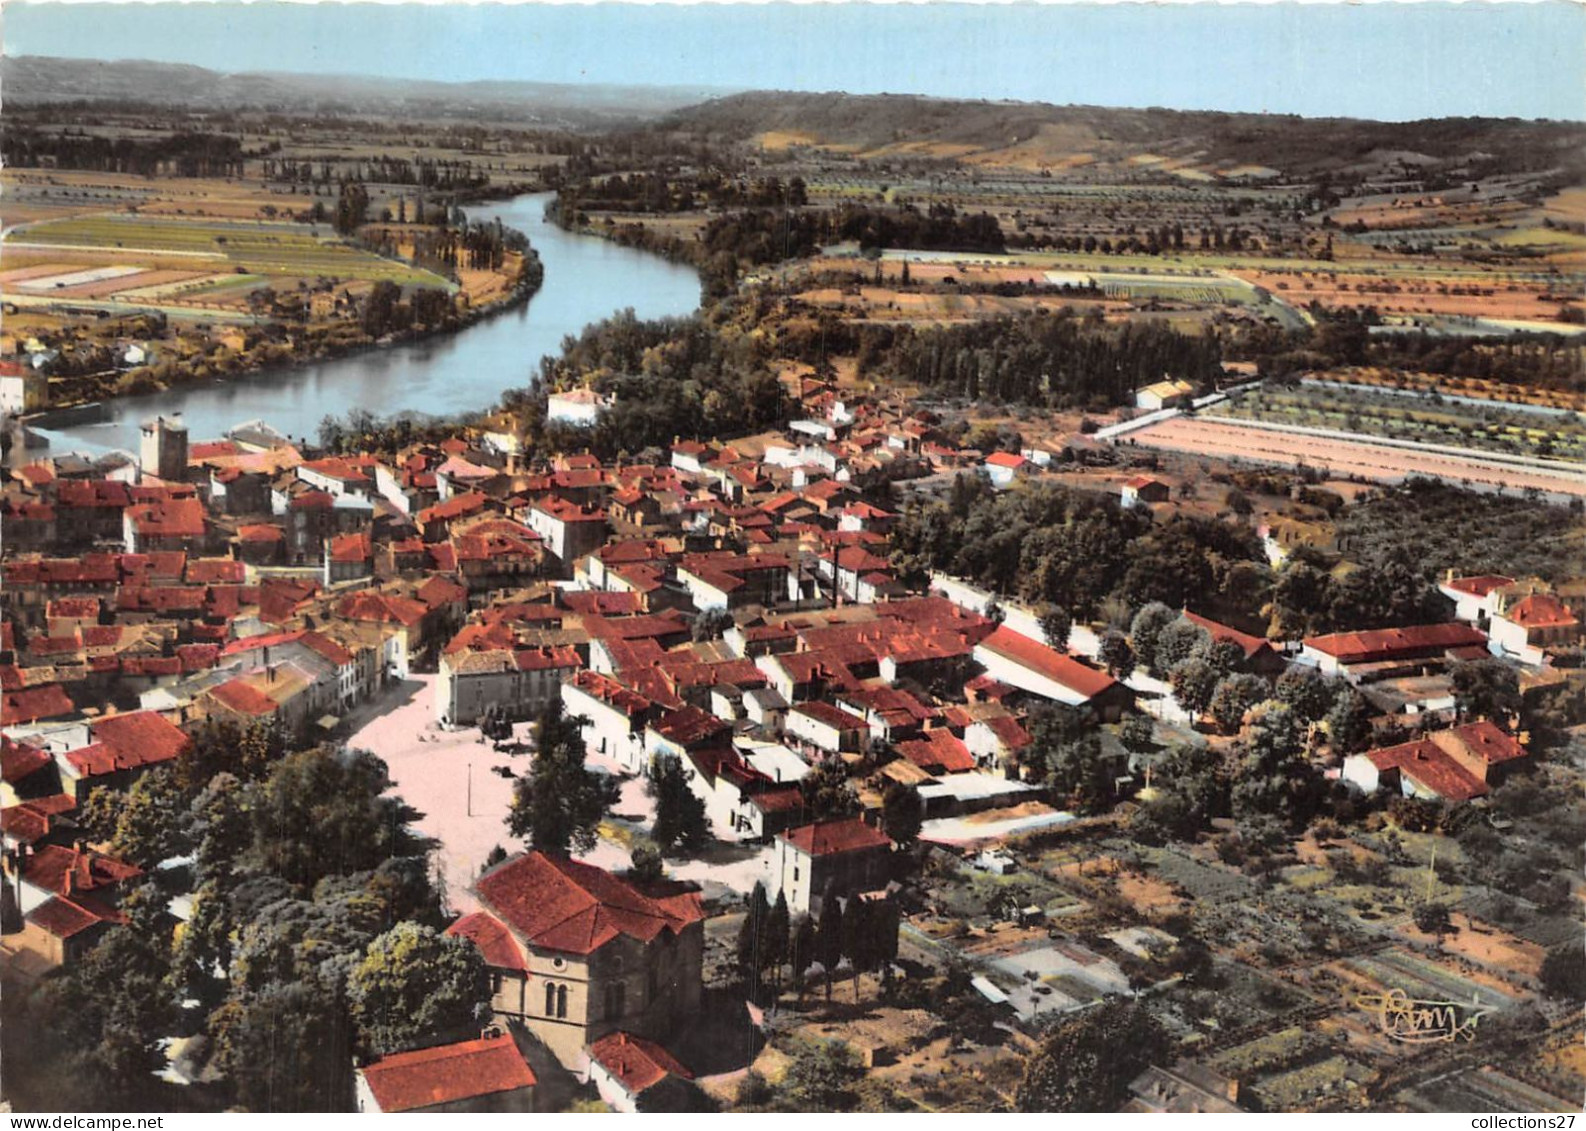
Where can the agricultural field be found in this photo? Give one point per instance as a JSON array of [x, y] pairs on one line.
[[1235, 440], [1489, 428], [259, 248]]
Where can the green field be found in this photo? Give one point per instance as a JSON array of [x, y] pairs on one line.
[[257, 248]]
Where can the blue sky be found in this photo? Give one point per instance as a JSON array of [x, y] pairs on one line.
[[1382, 60]]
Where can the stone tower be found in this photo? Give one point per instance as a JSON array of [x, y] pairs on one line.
[[164, 448]]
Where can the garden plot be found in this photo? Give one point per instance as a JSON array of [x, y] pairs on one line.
[[46, 283]]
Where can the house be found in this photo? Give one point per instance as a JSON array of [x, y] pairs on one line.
[[1453, 765], [1033, 667], [580, 407], [518, 682], [484, 1075], [1185, 1089], [1350, 654], [1527, 627], [569, 531], [1168, 393], [1259, 655], [632, 1074], [576, 952], [828, 729], [1002, 468], [23, 389], [829, 858], [1475, 598], [614, 718], [119, 748], [1143, 490]]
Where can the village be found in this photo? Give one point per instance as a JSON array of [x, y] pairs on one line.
[[844, 797]]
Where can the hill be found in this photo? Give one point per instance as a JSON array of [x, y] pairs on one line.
[[1041, 135], [34, 80]]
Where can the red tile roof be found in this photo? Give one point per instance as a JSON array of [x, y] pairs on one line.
[[1394, 643], [557, 904], [1540, 611], [66, 871], [1054, 665], [18, 761], [424, 1078], [938, 751], [1006, 459], [494, 941], [243, 698], [140, 738], [828, 838], [1248, 643], [65, 918], [1430, 766], [1478, 586], [636, 1063], [46, 702]]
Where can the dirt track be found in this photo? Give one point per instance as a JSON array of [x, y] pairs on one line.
[[1218, 439]]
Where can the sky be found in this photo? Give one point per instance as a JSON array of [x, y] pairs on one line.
[[1386, 60]]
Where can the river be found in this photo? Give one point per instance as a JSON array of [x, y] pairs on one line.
[[586, 279]]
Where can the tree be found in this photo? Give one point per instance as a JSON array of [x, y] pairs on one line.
[[778, 938], [827, 792], [1056, 623], [1194, 682], [1146, 628], [287, 1048], [751, 940], [1116, 655], [1178, 642], [1486, 689], [1349, 722], [1564, 973], [680, 819], [1234, 696], [647, 866], [822, 1076], [1309, 694], [1433, 919], [1138, 734], [902, 813], [416, 987], [559, 804], [1276, 778], [829, 939], [324, 811], [1086, 1061], [802, 949], [1082, 773], [151, 824]]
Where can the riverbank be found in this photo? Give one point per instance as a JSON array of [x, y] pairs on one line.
[[443, 375]]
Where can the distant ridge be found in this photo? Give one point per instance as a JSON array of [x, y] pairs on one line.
[[31, 80], [1037, 134]]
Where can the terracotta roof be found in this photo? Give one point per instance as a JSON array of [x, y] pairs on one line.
[[18, 761], [65, 918], [636, 1063], [828, 838], [1478, 586], [1431, 767], [66, 871], [448, 1073], [1006, 459], [1054, 665], [493, 940], [938, 750], [1248, 643], [243, 698], [689, 726], [1393, 643], [831, 716], [1481, 741], [139, 738], [558, 904], [33, 703], [1540, 611]]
